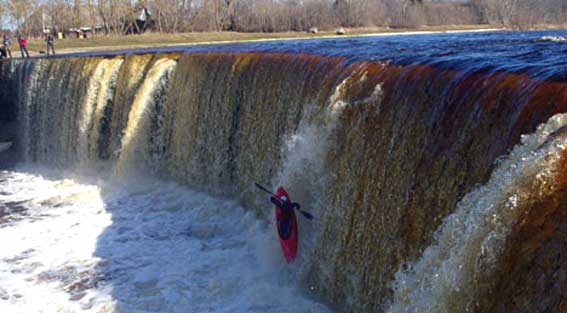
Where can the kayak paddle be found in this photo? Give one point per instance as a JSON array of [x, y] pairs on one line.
[[306, 214]]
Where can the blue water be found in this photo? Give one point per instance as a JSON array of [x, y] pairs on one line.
[[517, 52]]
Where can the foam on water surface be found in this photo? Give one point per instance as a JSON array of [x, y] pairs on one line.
[[76, 245]]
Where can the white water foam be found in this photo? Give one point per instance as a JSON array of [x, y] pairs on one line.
[[81, 245], [554, 38]]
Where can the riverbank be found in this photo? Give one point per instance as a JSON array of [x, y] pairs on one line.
[[152, 40]]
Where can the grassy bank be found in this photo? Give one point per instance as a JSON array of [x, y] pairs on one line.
[[104, 43]]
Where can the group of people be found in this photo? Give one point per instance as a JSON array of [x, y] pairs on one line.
[[23, 44]]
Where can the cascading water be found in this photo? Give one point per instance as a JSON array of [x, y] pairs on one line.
[[130, 78], [135, 139], [99, 94], [27, 79], [395, 158], [460, 268]]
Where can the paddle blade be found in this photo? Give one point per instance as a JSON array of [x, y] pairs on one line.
[[263, 188], [306, 214]]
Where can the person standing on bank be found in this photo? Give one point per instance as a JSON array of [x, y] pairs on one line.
[[22, 41], [6, 42], [49, 41]]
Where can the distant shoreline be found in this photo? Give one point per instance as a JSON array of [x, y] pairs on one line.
[[156, 40]]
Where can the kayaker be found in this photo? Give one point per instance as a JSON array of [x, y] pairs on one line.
[[285, 208]]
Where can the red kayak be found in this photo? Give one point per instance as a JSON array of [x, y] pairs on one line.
[[286, 232]]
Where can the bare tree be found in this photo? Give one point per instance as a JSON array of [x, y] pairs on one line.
[[19, 11], [119, 16]]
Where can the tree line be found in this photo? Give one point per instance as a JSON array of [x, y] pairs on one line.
[[30, 17]]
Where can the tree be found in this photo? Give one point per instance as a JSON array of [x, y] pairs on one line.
[[19, 11], [119, 16]]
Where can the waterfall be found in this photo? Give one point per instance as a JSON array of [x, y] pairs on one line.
[[397, 162]]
